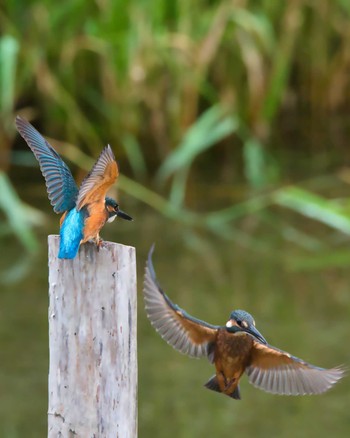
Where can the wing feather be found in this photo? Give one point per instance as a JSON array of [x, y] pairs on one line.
[[101, 177], [278, 372], [186, 334], [61, 187]]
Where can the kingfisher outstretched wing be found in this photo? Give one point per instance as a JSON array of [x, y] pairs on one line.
[[278, 372], [182, 331], [61, 187], [102, 176]]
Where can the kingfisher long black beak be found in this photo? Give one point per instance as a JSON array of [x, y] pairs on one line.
[[255, 332], [123, 215], [251, 329]]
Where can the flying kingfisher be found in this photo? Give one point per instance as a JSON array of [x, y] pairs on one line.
[[85, 210], [235, 348]]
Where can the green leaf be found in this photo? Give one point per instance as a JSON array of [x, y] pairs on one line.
[[19, 217], [254, 163], [9, 48], [209, 129], [314, 207], [255, 24], [134, 153], [321, 260]]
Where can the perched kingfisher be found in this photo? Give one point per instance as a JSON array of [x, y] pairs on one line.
[[235, 348], [85, 210]]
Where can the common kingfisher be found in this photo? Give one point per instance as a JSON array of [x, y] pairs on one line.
[[85, 210], [235, 348]]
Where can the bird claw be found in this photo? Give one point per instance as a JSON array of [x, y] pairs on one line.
[[99, 244], [229, 383]]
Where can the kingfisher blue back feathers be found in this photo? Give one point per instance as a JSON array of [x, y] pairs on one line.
[[86, 209]]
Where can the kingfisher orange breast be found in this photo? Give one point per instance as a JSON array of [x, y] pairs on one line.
[[95, 221], [232, 353]]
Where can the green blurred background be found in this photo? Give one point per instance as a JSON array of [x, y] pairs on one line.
[[230, 121]]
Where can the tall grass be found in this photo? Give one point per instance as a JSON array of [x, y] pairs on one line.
[[112, 69], [166, 82]]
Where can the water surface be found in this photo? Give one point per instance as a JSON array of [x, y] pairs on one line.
[[304, 312]]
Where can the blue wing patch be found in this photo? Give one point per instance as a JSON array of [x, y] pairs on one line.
[[61, 187], [71, 233]]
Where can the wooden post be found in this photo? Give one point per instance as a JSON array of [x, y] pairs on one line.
[[92, 331]]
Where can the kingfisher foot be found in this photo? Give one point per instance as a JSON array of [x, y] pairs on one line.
[[99, 244], [229, 384]]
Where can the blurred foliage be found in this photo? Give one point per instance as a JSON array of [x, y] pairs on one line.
[[230, 118], [20, 216], [205, 90]]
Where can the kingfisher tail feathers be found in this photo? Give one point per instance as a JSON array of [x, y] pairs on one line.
[[213, 384], [71, 233]]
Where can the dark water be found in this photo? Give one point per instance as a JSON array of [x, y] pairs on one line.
[[306, 313]]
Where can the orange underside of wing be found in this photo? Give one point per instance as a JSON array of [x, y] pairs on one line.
[[101, 186], [198, 334], [266, 357], [62, 218]]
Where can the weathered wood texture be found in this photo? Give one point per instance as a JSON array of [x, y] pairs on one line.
[[92, 330]]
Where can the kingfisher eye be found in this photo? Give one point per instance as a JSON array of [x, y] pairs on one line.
[[239, 322]]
